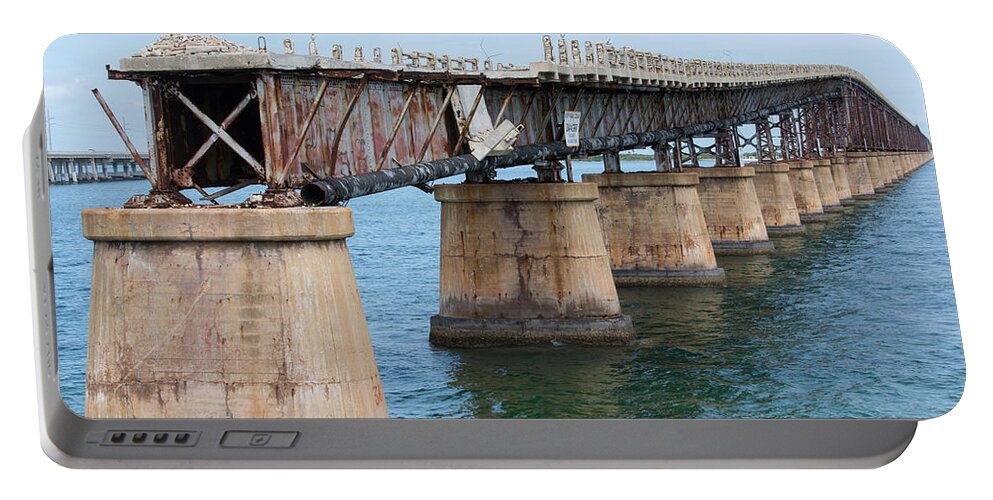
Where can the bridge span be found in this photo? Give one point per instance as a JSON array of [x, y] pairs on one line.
[[71, 167], [252, 310]]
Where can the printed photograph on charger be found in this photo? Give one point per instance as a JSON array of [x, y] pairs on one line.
[[496, 226]]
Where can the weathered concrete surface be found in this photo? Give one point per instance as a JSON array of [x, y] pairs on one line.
[[896, 170], [218, 312], [913, 161], [808, 200], [877, 173], [859, 178], [839, 172], [886, 169], [899, 166], [654, 229], [732, 210], [524, 263], [830, 201], [772, 186]]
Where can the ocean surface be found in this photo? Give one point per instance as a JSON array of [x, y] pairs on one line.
[[855, 319]]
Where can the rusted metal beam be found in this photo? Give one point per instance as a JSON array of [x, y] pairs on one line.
[[544, 122], [228, 120], [396, 127], [216, 129], [228, 190], [503, 108], [344, 121], [124, 136], [435, 122], [527, 108], [623, 106], [635, 106], [334, 190], [204, 194], [303, 133], [464, 131]]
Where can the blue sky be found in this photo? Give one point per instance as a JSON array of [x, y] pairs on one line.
[[75, 64]]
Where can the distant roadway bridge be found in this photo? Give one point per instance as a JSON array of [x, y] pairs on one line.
[[71, 167]]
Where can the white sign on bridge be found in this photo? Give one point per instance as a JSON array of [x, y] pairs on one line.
[[571, 125]]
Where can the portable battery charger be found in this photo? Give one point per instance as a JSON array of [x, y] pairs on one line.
[[611, 257]]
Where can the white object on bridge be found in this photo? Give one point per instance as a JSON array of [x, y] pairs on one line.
[[495, 142], [571, 128]]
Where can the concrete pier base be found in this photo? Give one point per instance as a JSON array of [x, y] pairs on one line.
[[859, 178], [887, 169], [839, 172], [830, 202], [893, 168], [524, 263], [805, 195], [772, 185], [654, 229], [902, 165], [226, 313], [876, 172], [732, 210]]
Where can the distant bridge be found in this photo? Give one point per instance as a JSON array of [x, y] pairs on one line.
[[71, 167]]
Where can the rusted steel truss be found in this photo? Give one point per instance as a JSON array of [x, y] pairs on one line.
[[789, 136], [284, 128], [762, 141], [333, 190], [726, 150]]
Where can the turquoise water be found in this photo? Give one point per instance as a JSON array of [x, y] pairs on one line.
[[855, 319]]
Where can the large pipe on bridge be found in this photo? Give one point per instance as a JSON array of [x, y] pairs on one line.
[[334, 190]]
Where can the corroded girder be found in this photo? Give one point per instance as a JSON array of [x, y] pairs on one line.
[[332, 190], [310, 117]]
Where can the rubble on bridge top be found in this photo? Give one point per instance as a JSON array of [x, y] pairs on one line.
[[190, 45]]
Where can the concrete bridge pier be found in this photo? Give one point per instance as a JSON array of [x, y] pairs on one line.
[[654, 229], [226, 313], [524, 263], [839, 172], [732, 210], [804, 185], [888, 169], [909, 162], [877, 173], [899, 165], [859, 178], [830, 202], [898, 162], [779, 211]]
